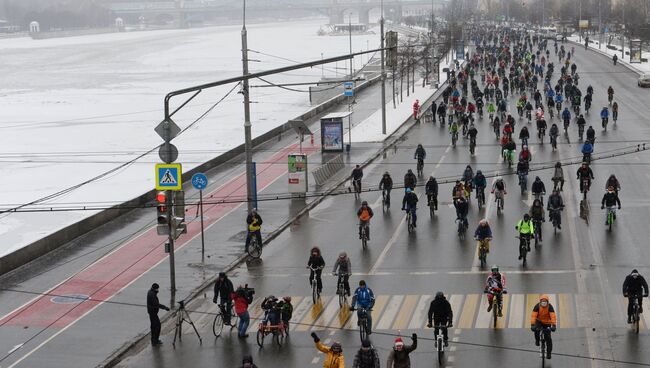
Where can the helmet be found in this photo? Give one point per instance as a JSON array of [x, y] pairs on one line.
[[222, 275], [439, 295], [364, 203], [537, 178], [526, 217], [409, 171], [408, 190], [432, 178], [419, 145], [343, 255], [483, 222], [478, 172], [336, 347], [366, 343], [495, 268], [386, 173], [634, 273]]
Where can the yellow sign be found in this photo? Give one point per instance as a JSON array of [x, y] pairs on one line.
[[583, 24], [169, 177]]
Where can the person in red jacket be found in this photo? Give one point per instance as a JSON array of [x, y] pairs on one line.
[[242, 298], [416, 109]]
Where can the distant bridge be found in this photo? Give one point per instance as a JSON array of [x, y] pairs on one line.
[[182, 10]]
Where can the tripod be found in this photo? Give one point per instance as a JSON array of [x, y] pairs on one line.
[[183, 316]]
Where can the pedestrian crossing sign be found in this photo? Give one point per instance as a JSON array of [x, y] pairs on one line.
[[169, 177]]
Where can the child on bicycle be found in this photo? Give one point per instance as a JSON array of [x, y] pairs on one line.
[[271, 311], [286, 309]]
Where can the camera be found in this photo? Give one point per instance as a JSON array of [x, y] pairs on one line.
[[246, 292]]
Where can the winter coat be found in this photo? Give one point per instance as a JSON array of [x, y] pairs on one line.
[[440, 311], [401, 359]]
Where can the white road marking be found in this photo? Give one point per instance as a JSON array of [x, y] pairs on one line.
[[419, 314]]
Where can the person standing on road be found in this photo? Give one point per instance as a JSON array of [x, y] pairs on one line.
[[254, 221], [433, 111], [399, 356], [153, 306], [333, 354], [442, 316], [242, 297], [366, 356], [634, 286], [223, 287]]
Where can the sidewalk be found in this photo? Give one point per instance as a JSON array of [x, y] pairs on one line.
[[642, 68]]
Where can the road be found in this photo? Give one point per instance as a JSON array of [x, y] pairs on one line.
[[581, 267]]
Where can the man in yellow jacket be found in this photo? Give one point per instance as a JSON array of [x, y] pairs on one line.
[[334, 353], [543, 320]]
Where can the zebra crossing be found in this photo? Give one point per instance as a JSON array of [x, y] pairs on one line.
[[409, 312]]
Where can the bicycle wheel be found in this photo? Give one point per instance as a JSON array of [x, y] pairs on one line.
[[542, 349], [636, 320], [260, 337], [341, 298], [431, 210], [363, 333], [278, 336], [364, 242], [254, 249], [441, 353], [233, 320], [217, 325], [610, 220], [314, 291], [482, 256], [495, 314]]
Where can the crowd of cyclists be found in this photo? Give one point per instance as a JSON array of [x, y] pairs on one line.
[[502, 63]]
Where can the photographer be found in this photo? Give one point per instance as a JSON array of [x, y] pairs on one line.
[[243, 297]]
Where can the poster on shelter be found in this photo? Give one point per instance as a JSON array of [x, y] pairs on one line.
[[332, 139]]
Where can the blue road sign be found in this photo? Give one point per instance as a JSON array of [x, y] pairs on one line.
[[169, 177], [199, 181], [348, 89]]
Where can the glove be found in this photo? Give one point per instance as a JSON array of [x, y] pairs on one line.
[[214, 300], [602, 207], [553, 327], [315, 337], [351, 308], [619, 207], [532, 328], [429, 325], [165, 308], [505, 291], [645, 295], [625, 295], [414, 336]]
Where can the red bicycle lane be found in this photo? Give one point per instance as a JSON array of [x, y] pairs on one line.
[[115, 271]]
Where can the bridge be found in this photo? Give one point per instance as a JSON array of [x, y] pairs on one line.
[[183, 11]]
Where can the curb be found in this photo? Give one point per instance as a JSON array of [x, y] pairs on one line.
[[394, 137]]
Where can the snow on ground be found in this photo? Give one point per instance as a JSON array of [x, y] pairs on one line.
[[639, 67], [370, 129], [76, 107]]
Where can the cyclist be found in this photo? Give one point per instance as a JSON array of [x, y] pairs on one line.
[[333, 353], [590, 90], [539, 189], [587, 150], [584, 172], [507, 130], [483, 234], [491, 109], [541, 127], [543, 316], [472, 133], [442, 110], [316, 264], [409, 204], [634, 286], [520, 107], [386, 184], [537, 215], [526, 230], [566, 117], [420, 154], [440, 314], [453, 130], [457, 191], [529, 110], [364, 214], [495, 284], [479, 183], [479, 105], [410, 180], [399, 356], [553, 133], [499, 190], [525, 155], [581, 124], [462, 209], [344, 268], [591, 135], [271, 311], [357, 174], [587, 99], [524, 135], [223, 288], [604, 115], [554, 205], [431, 189], [613, 182], [366, 356], [610, 94], [610, 199], [471, 109], [363, 298], [615, 111], [254, 221]]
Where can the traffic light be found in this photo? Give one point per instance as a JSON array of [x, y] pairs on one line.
[[178, 220], [161, 211]]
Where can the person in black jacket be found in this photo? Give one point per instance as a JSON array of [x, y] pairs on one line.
[[247, 362], [634, 286], [386, 184], [610, 199], [316, 264], [223, 290], [153, 306], [441, 314], [431, 188], [366, 357]]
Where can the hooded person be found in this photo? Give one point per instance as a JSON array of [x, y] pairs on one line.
[[399, 355]]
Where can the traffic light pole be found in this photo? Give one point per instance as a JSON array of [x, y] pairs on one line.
[[170, 241], [248, 144], [383, 71]]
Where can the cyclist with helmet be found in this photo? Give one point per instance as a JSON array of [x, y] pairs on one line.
[[440, 315], [554, 205], [431, 189], [399, 355], [420, 154], [410, 180], [364, 214], [409, 204], [363, 298], [610, 200], [591, 135], [634, 286], [386, 184], [584, 172], [543, 317], [316, 264], [333, 354], [462, 209], [343, 267], [495, 285], [539, 189], [366, 356], [526, 230], [480, 183], [499, 190], [483, 234]]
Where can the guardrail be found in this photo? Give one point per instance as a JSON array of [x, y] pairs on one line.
[[324, 172]]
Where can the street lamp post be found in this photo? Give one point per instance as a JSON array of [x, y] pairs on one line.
[[383, 70], [248, 144]]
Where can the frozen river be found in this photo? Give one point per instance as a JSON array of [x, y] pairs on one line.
[[73, 108]]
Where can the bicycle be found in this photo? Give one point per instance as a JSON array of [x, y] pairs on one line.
[[472, 146], [482, 250], [340, 290], [524, 244], [581, 131], [498, 198], [542, 343], [540, 134], [635, 312], [420, 166], [480, 197], [454, 138], [315, 293], [523, 182], [604, 123], [439, 343], [278, 331], [610, 97], [553, 142], [566, 126], [410, 226], [364, 235], [611, 216], [585, 187], [385, 199], [462, 228], [537, 224], [218, 323], [432, 205], [356, 183], [554, 215], [362, 322], [254, 247], [497, 294]]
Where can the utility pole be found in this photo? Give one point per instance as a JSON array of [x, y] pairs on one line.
[[579, 21], [543, 13], [383, 70], [248, 144], [600, 25]]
